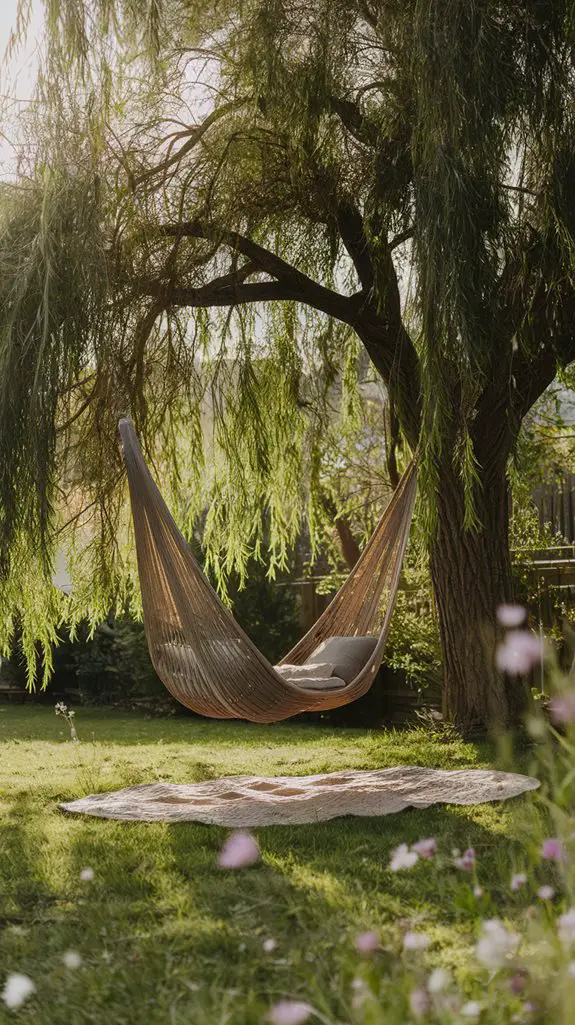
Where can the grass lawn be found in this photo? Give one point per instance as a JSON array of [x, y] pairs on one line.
[[165, 936]]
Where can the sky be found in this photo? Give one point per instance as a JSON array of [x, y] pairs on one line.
[[16, 77]]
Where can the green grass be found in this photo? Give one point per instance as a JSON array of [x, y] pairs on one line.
[[166, 937]]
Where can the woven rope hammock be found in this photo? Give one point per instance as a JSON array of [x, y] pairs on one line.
[[203, 656]]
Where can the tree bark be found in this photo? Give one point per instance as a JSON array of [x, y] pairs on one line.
[[471, 573], [349, 546]]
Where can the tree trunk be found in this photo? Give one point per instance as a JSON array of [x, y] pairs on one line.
[[471, 572], [349, 546]]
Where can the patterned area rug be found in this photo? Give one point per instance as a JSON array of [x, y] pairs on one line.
[[240, 801]]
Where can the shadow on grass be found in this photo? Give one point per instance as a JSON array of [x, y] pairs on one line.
[[313, 872], [24, 886]]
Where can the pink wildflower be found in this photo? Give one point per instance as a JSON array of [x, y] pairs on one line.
[[239, 850], [552, 850], [467, 860], [520, 651], [367, 943], [518, 982], [425, 848], [419, 1002], [546, 893], [289, 1012], [511, 615], [562, 708]]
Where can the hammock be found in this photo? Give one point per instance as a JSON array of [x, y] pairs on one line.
[[203, 656]]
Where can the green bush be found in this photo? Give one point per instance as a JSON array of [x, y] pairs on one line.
[[115, 665], [268, 612], [413, 641]]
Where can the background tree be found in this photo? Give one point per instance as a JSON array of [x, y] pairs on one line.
[[248, 180]]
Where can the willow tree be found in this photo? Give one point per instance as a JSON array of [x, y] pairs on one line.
[[273, 183]]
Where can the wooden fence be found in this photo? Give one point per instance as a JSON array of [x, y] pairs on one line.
[[556, 506]]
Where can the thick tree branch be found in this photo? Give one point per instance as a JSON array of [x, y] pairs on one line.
[[351, 117], [350, 226], [220, 292], [521, 374], [369, 15], [303, 288]]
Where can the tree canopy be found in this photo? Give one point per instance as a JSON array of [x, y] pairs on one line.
[[228, 197]]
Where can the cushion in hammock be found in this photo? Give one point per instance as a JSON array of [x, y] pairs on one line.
[[349, 655], [317, 670], [311, 676], [318, 683]]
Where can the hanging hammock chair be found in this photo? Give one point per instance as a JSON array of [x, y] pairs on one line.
[[203, 656]]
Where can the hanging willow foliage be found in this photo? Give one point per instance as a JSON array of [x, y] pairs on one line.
[[217, 201]]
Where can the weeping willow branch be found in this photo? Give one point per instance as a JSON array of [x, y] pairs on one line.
[[193, 136]]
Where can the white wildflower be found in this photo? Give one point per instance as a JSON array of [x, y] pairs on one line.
[[361, 993], [566, 928], [17, 990], [518, 881], [439, 980], [72, 959], [416, 941], [472, 1009], [402, 857], [495, 944], [289, 1012]]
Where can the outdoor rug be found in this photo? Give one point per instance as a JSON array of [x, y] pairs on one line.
[[240, 801]]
